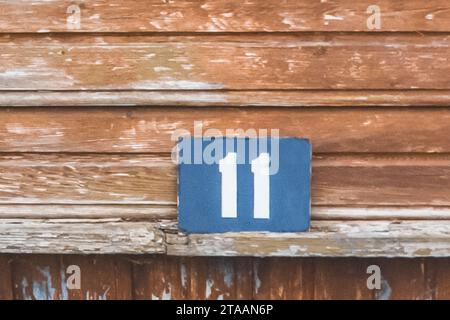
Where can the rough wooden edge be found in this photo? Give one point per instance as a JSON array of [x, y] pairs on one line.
[[411, 239], [87, 236], [220, 16], [280, 98], [326, 239]]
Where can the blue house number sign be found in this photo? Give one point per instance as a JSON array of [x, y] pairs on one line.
[[244, 184]]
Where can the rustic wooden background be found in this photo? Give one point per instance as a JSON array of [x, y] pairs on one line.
[[87, 111], [163, 277]]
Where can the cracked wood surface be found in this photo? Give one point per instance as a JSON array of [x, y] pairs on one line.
[[154, 130], [237, 62], [140, 185], [87, 236], [213, 16], [326, 238]]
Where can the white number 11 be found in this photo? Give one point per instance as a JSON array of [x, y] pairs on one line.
[[261, 185]]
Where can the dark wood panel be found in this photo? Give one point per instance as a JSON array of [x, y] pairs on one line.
[[6, 283], [38, 277], [341, 279], [244, 62], [102, 277], [403, 279], [409, 239], [283, 278], [438, 278], [161, 278], [219, 278], [220, 16], [381, 180]]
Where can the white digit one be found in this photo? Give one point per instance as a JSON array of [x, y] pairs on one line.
[[261, 193], [228, 169]]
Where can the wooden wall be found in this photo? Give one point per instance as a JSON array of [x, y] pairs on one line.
[[91, 92], [162, 277]]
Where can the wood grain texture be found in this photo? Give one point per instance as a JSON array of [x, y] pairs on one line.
[[227, 98], [6, 284], [220, 278], [404, 279], [341, 279], [144, 186], [125, 211], [161, 278], [38, 277], [328, 238], [438, 279], [79, 236], [102, 277], [88, 179], [283, 278], [291, 61], [221, 16], [150, 130], [41, 277], [164, 277]]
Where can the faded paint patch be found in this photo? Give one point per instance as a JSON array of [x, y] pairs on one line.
[[385, 292], [256, 279], [43, 290], [209, 287], [183, 275]]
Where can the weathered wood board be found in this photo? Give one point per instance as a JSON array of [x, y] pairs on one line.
[[159, 277], [151, 130], [140, 185], [284, 61], [220, 16], [79, 236], [327, 238]]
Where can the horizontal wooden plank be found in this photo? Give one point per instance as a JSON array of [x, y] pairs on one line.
[[144, 186], [87, 179], [219, 16], [220, 98], [55, 236], [138, 130], [328, 238], [419, 180], [244, 62]]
